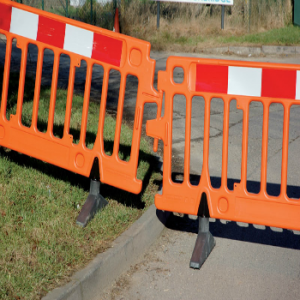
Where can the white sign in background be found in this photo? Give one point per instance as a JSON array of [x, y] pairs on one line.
[[220, 2]]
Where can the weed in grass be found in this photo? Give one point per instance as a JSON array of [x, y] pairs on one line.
[[181, 40], [40, 245]]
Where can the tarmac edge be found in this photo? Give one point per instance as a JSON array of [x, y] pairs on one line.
[[106, 267]]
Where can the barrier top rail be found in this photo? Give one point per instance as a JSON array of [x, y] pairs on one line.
[[94, 45], [244, 82]]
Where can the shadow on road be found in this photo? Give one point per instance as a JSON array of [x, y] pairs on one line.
[[242, 231], [232, 230]]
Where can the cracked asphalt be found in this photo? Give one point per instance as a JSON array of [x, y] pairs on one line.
[[249, 261]]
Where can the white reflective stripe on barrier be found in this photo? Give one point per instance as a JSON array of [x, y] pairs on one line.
[[62, 35], [247, 81]]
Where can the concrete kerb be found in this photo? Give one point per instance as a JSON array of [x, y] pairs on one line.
[[254, 51], [88, 283]]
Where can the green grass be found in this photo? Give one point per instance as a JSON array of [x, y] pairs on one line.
[[173, 41], [285, 36], [40, 245]]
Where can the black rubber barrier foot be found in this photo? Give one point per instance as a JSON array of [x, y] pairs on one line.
[[204, 244], [93, 203]]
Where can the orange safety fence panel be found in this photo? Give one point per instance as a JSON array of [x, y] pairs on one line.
[[244, 82], [80, 42]]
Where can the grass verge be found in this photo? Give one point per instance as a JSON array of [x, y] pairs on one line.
[[190, 27], [40, 245], [286, 36], [167, 40]]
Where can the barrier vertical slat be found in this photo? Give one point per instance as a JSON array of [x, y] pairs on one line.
[[53, 94], [155, 143], [103, 108], [264, 149], [69, 98], [206, 137], [139, 112], [169, 151], [6, 73], [119, 116], [100, 136], [285, 145], [245, 147], [37, 89], [86, 102], [187, 150], [136, 134], [225, 144], [21, 82]]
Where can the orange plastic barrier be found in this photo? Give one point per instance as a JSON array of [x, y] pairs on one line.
[[80, 42], [228, 80]]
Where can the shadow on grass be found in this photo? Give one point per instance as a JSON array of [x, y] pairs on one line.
[[232, 230], [123, 197]]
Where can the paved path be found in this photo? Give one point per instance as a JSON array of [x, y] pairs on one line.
[[248, 262], [245, 264]]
